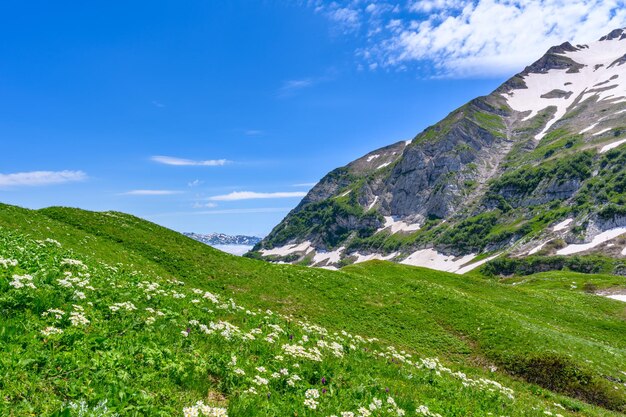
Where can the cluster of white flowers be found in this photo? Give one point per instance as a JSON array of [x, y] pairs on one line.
[[71, 281], [334, 347], [376, 407], [51, 330], [73, 262], [201, 409], [259, 380], [126, 305], [78, 319], [223, 328], [310, 398], [21, 281], [53, 241], [58, 314], [293, 379], [8, 262], [422, 409], [298, 351]]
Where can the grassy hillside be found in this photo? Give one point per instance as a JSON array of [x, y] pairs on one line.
[[522, 334]]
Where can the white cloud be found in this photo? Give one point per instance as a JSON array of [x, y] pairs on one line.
[[170, 160], [35, 178], [305, 184], [203, 205], [290, 87], [151, 192], [250, 195], [195, 183], [468, 38], [225, 211]]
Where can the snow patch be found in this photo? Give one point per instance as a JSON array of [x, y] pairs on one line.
[[563, 225], [372, 157], [383, 165], [537, 248], [598, 240], [374, 256], [429, 258], [331, 257], [613, 145], [580, 84], [602, 131], [589, 128], [373, 203], [398, 226], [288, 249], [618, 297], [476, 264]]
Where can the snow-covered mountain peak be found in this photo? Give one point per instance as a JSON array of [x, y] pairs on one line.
[[567, 76]]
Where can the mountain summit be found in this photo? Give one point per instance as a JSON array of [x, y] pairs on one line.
[[535, 168]]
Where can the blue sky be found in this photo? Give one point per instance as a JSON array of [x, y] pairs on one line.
[[217, 115]]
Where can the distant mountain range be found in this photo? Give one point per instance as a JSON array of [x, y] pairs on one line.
[[536, 168], [221, 239]]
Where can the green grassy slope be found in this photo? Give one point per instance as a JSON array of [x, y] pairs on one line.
[[556, 336]]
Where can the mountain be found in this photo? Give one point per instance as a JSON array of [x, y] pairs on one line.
[[517, 180], [235, 245], [103, 313]]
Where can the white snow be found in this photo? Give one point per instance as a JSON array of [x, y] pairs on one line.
[[374, 256], [589, 128], [598, 240], [383, 165], [345, 194], [563, 225], [602, 131], [288, 249], [613, 145], [432, 259], [332, 257], [398, 226], [373, 203], [476, 264], [624, 251], [618, 297], [537, 248], [408, 142], [372, 157], [580, 84]]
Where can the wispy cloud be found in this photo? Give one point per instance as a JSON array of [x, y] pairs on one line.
[[468, 38], [250, 195], [170, 160], [195, 183], [305, 184], [225, 211], [253, 132], [158, 104], [291, 87], [38, 178], [198, 205], [152, 192]]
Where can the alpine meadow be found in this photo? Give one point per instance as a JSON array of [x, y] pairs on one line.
[[163, 251]]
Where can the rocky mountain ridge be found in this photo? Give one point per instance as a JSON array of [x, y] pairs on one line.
[[535, 168], [223, 239]]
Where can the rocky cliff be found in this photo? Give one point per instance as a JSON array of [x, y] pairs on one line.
[[536, 167]]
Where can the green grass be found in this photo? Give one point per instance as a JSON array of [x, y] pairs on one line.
[[507, 331]]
